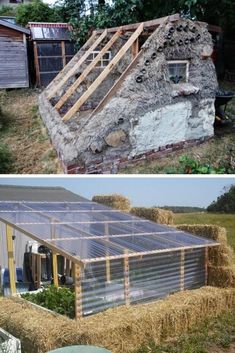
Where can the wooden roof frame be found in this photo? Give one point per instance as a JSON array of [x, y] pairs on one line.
[[135, 31]]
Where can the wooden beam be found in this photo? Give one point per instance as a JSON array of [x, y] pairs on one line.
[[206, 265], [116, 86], [11, 263], [108, 272], [86, 72], [147, 24], [126, 279], [67, 268], [182, 264], [63, 53], [78, 290], [55, 269], [72, 71], [36, 64], [103, 74]]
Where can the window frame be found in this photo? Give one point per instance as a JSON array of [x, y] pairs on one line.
[[94, 53], [180, 62]]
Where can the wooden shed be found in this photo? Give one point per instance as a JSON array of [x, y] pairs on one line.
[[53, 49], [13, 56]]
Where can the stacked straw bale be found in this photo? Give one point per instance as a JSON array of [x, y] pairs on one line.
[[121, 330], [221, 269], [154, 214], [116, 201]]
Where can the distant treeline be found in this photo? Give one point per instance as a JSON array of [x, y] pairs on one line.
[[183, 209], [224, 203]]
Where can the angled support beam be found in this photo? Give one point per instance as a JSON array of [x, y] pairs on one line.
[[72, 71], [104, 73], [135, 49], [11, 264], [86, 72]]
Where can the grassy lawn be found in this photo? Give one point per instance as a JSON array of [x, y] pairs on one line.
[[25, 135], [223, 220], [215, 336]]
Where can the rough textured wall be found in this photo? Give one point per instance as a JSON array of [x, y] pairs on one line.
[[149, 114]]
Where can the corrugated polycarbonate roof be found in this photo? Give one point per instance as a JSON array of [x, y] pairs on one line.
[[50, 31], [89, 232]]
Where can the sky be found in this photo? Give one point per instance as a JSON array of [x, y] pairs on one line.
[[142, 191]]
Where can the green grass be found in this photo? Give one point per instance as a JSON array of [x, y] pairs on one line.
[[223, 220], [214, 334]]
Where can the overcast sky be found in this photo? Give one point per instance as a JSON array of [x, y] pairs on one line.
[[143, 191]]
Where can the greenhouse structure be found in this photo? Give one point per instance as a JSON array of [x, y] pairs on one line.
[[114, 257]]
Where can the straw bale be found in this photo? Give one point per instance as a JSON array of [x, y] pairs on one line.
[[221, 269], [221, 276], [154, 214], [121, 329], [116, 201]]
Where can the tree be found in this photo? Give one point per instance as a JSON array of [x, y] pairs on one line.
[[7, 11], [35, 11], [224, 203]]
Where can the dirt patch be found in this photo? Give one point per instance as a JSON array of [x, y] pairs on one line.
[[26, 135], [215, 349]]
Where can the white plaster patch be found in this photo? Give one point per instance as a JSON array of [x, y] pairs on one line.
[[208, 115], [158, 128]]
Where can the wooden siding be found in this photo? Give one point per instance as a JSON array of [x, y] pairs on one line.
[[13, 59]]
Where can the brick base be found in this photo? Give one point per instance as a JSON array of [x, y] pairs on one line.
[[102, 166]]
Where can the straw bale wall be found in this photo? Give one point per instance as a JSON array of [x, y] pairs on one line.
[[116, 201], [154, 214], [121, 330]]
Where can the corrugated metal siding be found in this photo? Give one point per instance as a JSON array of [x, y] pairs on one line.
[[13, 59], [150, 277]]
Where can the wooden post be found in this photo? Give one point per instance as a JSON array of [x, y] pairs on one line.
[[135, 49], [39, 270], [63, 53], [55, 269], [126, 279], [36, 64], [206, 266], [182, 259], [78, 290], [11, 263], [108, 272]]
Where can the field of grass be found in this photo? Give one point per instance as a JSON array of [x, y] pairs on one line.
[[223, 220]]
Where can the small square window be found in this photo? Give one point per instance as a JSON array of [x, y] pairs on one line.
[[105, 60], [178, 71]]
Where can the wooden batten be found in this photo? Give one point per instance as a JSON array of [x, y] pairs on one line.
[[135, 49], [55, 269], [86, 72], [182, 269], [126, 279], [78, 290], [11, 262], [36, 63], [73, 70], [67, 268], [104, 73], [206, 265]]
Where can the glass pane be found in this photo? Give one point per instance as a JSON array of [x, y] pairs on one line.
[[178, 72]]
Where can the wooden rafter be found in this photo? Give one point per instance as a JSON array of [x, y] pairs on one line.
[[72, 71], [104, 73], [116, 86], [86, 72]]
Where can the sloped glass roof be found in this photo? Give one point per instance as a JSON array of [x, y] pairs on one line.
[[90, 232]]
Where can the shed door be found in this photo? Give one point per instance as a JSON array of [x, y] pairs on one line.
[[13, 59]]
